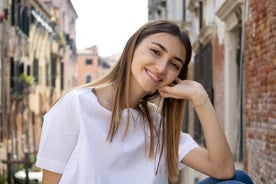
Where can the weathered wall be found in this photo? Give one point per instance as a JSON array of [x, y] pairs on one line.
[[260, 90]]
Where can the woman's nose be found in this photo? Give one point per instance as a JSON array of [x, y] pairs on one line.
[[161, 66]]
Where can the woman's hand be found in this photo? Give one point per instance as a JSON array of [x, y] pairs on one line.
[[185, 89]]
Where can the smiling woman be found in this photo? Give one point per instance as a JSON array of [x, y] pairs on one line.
[[126, 127], [108, 24]]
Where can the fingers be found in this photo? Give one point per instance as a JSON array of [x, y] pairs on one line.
[[164, 91], [171, 91], [178, 80], [183, 89], [164, 94]]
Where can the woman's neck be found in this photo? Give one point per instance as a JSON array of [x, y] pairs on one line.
[[105, 94]]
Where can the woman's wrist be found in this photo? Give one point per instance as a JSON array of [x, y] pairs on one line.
[[200, 99], [205, 99]]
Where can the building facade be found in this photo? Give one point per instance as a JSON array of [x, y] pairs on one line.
[[36, 40], [234, 58], [90, 66], [65, 16]]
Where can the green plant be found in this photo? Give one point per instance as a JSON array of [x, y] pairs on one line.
[[3, 178], [22, 85], [62, 40], [26, 79]]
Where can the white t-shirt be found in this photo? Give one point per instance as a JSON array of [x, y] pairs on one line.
[[74, 143]]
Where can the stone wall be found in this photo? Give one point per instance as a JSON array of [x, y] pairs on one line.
[[260, 91]]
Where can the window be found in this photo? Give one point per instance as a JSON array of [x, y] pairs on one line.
[[105, 65], [53, 70], [20, 16], [88, 78], [24, 22], [17, 69], [13, 72], [47, 75], [61, 76], [28, 70], [203, 74], [89, 61], [184, 11], [12, 9], [35, 70], [200, 15]]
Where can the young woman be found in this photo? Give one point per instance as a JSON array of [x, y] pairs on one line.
[[126, 127]]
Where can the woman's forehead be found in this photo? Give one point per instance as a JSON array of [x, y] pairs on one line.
[[170, 42]]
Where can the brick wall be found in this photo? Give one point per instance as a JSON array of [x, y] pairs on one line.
[[260, 91]]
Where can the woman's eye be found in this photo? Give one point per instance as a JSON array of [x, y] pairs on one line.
[[175, 65], [155, 52]]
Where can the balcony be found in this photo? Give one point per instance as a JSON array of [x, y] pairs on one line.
[[22, 86]]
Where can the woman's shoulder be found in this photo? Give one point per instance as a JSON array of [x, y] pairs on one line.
[[77, 92], [73, 96]]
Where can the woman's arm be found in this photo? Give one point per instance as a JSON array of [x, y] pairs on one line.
[[216, 159], [50, 177]]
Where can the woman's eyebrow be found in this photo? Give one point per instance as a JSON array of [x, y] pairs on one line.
[[165, 50]]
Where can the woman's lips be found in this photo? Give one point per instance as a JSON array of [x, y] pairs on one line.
[[153, 76]]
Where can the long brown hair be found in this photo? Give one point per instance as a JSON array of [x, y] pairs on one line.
[[172, 110]]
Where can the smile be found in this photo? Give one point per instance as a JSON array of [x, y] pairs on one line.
[[152, 76]]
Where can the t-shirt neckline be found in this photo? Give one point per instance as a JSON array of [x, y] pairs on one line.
[[92, 91]]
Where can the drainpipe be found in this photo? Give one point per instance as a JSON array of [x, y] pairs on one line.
[[241, 82]]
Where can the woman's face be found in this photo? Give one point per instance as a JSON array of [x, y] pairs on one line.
[[157, 62]]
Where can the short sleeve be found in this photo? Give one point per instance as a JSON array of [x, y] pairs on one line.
[[59, 134], [186, 144]]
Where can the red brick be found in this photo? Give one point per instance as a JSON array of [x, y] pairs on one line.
[[260, 87]]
